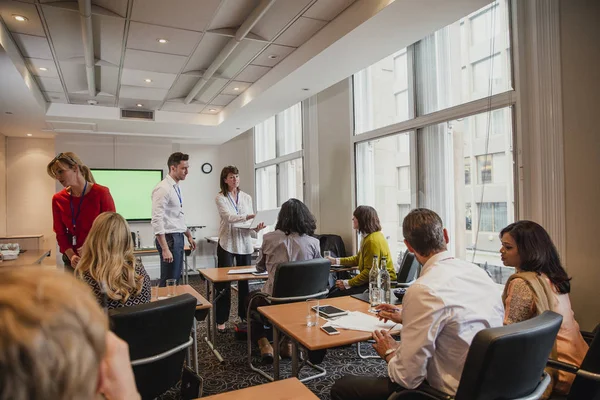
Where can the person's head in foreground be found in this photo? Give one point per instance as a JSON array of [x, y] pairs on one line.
[[107, 257], [295, 217], [527, 247], [424, 233], [54, 340]]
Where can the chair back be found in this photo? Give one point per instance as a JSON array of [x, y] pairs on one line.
[[333, 243], [409, 268], [584, 388], [151, 329], [507, 362], [300, 280]]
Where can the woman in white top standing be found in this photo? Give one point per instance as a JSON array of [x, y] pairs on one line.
[[234, 207]]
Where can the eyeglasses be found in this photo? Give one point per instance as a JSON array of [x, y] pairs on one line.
[[63, 156]]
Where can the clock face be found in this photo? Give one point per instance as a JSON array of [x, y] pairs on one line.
[[206, 168]]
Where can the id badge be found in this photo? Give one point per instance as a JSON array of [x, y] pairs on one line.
[[74, 241]]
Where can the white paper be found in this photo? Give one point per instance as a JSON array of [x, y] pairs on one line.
[[242, 271], [359, 321]]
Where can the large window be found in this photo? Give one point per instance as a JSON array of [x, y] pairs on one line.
[[460, 164], [278, 159]]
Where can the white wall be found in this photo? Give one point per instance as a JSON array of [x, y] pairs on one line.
[[580, 56], [29, 189], [2, 185], [239, 152]]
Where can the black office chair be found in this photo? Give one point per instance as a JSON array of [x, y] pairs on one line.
[[158, 335], [586, 385], [294, 281], [408, 272], [503, 363]]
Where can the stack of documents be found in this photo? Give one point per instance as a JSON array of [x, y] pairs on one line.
[[242, 271], [359, 321]]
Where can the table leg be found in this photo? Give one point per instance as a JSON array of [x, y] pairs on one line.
[[294, 359], [275, 353], [211, 338], [195, 346]]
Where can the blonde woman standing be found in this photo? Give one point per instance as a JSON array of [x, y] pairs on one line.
[[108, 266], [75, 208]]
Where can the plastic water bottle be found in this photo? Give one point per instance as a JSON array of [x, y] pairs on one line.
[[139, 240], [374, 285], [385, 281]]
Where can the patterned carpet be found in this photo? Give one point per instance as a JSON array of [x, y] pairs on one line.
[[235, 373]]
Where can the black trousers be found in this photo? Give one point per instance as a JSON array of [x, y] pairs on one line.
[[352, 387], [226, 259], [336, 292], [257, 330]]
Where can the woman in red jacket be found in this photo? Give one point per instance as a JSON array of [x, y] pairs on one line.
[[75, 208]]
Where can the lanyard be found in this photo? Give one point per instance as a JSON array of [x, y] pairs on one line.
[[178, 192], [235, 204], [74, 216]]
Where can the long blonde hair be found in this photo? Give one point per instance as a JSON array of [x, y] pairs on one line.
[[69, 160], [108, 257], [53, 336]]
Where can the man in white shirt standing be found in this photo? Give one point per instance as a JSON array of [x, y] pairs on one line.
[[168, 223], [441, 312]]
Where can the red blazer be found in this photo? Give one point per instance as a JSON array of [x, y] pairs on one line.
[[94, 203]]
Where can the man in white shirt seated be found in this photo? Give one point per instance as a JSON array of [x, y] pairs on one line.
[[441, 312]]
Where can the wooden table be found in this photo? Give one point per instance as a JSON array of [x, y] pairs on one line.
[[220, 275], [28, 258], [290, 318], [287, 389], [153, 251], [202, 307]]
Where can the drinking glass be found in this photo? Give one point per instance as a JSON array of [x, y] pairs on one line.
[[312, 316], [171, 287], [154, 292]]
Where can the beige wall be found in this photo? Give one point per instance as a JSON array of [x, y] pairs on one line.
[[2, 185], [580, 54], [29, 190]]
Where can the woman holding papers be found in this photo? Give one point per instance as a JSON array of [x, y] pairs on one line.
[[366, 222], [235, 243]]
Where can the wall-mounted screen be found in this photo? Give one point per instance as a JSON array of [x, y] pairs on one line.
[[131, 189]]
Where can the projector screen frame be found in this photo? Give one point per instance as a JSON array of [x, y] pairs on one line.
[[162, 176]]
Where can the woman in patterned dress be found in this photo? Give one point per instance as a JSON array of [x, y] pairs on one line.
[[108, 266], [541, 283]]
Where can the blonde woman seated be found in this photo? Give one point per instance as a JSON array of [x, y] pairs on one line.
[[539, 284], [108, 266]]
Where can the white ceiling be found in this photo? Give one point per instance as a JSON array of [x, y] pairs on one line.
[[296, 44]]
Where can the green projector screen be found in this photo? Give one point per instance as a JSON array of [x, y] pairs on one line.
[[131, 189]]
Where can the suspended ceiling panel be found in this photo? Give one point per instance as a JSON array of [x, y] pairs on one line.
[[33, 46], [145, 37], [194, 15]]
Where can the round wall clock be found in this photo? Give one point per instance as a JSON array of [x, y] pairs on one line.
[[206, 168]]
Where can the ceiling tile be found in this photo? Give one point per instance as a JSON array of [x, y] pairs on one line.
[[150, 61], [274, 50], [49, 84], [222, 100], [33, 46], [209, 47], [132, 104], [35, 64], [135, 92], [82, 98], [33, 25], [108, 38], [185, 14], [134, 77], [107, 79], [277, 17], [145, 37], [230, 88], [232, 13], [300, 31], [252, 73], [327, 10], [74, 76], [211, 89], [182, 86], [241, 56], [212, 109], [177, 106], [65, 31], [117, 6], [56, 97]]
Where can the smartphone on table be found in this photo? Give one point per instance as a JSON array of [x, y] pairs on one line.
[[330, 330]]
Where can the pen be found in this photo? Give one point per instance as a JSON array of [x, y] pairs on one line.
[[392, 311], [392, 327]]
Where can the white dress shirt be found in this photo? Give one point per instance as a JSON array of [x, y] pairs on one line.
[[167, 208], [232, 210], [442, 311]]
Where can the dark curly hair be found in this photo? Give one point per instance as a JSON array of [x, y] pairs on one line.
[[538, 253], [295, 217]]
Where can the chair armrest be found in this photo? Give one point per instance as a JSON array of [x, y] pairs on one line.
[[562, 366], [424, 391], [404, 285]]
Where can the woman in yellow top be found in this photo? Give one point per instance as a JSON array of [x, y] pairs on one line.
[[366, 222]]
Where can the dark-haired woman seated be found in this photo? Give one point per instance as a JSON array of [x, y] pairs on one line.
[[366, 222], [539, 284], [291, 241]]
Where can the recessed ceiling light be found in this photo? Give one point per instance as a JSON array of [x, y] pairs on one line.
[[43, 69], [162, 41], [29, 134], [212, 110], [139, 105], [148, 80], [273, 56], [20, 18], [236, 88]]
